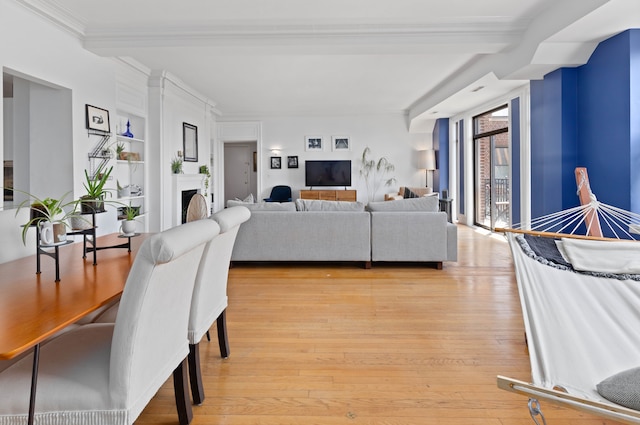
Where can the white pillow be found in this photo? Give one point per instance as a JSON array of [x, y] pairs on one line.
[[602, 256]]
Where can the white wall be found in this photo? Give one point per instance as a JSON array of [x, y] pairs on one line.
[[35, 48], [385, 135], [173, 105]]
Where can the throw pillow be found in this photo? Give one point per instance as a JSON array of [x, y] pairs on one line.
[[408, 193], [320, 205], [622, 388], [425, 204]]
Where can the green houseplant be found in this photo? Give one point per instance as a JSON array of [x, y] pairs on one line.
[[129, 213], [49, 210], [176, 166], [204, 169], [375, 173], [93, 201]]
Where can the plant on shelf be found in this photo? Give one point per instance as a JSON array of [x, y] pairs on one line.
[[119, 149], [93, 201], [48, 210], [176, 166], [204, 169], [375, 173]]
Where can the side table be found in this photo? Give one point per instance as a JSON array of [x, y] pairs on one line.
[[445, 205]]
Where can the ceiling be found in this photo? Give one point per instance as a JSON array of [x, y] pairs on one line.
[[425, 58]]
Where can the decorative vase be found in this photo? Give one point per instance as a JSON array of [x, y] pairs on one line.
[[128, 132], [128, 227]]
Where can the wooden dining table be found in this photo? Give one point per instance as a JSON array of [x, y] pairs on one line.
[[33, 307]]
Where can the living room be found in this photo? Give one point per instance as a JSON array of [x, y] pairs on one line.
[[558, 130]]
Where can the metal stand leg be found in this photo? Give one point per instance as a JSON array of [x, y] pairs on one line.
[[34, 381]]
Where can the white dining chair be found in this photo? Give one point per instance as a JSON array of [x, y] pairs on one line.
[[209, 301], [106, 373]]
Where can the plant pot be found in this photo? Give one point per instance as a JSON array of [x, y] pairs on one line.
[[38, 211], [52, 233], [128, 227], [90, 205], [79, 222]]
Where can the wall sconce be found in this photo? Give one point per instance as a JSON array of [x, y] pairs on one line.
[[427, 162]]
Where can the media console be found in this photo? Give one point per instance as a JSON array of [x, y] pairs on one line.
[[330, 195]]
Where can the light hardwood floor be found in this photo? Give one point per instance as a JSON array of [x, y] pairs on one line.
[[396, 344]]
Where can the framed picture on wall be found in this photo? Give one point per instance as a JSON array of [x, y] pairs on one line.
[[276, 162], [190, 142], [340, 143], [313, 143], [98, 119], [292, 162]]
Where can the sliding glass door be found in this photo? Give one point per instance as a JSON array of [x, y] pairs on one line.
[[492, 168]]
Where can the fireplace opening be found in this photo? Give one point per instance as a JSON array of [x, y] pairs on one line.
[[186, 198]]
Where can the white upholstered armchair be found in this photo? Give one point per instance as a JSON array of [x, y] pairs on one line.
[[106, 373], [209, 301]]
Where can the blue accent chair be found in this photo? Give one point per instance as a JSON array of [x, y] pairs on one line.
[[279, 194]]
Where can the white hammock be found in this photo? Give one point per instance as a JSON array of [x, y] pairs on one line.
[[581, 327]]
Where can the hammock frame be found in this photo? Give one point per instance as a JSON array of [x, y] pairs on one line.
[[589, 213], [617, 413]]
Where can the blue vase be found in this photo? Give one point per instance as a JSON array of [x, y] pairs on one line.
[[128, 132]]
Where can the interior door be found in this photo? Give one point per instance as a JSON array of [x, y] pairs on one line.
[[237, 161]]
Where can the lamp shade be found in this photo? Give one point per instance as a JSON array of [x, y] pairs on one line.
[[427, 159]]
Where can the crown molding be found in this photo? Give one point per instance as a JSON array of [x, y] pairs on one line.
[[448, 33], [160, 78], [56, 14]]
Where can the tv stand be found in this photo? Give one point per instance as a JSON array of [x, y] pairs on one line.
[[330, 195]]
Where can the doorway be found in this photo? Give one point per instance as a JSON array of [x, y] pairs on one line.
[[492, 168], [240, 170]]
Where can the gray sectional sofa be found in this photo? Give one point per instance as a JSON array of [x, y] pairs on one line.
[[311, 230]]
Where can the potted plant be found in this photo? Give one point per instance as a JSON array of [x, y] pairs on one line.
[[375, 172], [128, 226], [119, 150], [204, 169], [48, 213], [176, 166], [93, 201]]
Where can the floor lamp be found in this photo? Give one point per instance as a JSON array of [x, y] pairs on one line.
[[428, 163]]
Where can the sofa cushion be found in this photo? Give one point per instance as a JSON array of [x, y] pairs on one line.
[[319, 205], [425, 203], [263, 206], [408, 193]]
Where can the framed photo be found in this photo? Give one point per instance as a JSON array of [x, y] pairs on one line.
[[340, 143], [190, 142], [292, 162], [276, 162], [98, 119], [313, 143]]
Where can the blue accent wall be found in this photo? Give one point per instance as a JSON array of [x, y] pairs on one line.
[[590, 117], [606, 145], [553, 142], [441, 146], [515, 161], [461, 156]]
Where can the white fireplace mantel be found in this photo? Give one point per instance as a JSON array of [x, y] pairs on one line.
[[182, 182]]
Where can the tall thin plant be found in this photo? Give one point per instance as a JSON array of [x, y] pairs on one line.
[[375, 173]]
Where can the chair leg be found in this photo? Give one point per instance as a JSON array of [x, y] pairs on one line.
[[223, 340], [195, 374], [180, 388]]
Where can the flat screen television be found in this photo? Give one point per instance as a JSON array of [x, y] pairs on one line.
[[327, 173]]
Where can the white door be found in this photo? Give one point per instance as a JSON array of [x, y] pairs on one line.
[[237, 161]]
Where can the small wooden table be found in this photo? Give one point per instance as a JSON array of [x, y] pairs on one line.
[[33, 307]]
